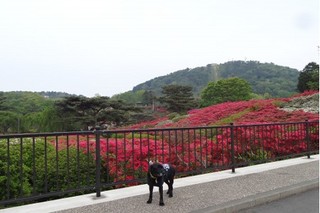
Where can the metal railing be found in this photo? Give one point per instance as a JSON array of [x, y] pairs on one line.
[[38, 167]]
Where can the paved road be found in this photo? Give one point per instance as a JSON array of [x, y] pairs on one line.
[[304, 202]]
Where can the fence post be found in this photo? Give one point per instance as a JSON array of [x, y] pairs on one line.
[[232, 148], [97, 133], [308, 139]]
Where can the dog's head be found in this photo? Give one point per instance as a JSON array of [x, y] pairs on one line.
[[156, 170]]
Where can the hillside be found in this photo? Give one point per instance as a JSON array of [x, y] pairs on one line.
[[245, 112], [278, 81]]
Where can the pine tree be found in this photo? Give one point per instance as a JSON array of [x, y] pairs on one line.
[[178, 98]]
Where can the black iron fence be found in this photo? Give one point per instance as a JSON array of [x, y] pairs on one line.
[[38, 167]]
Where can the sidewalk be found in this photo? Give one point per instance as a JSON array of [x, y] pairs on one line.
[[215, 192]]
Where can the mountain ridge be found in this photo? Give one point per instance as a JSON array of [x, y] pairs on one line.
[[264, 78]]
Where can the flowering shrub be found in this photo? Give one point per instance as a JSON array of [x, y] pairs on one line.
[[241, 112], [125, 155], [306, 93]]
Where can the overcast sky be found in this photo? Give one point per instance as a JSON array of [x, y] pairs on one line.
[[107, 47]]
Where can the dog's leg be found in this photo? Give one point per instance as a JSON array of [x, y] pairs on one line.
[[161, 203], [150, 194], [170, 186]]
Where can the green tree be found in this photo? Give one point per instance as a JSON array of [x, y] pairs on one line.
[[309, 78], [25, 102], [148, 97], [9, 121], [130, 97], [24, 112], [178, 98], [231, 89], [2, 101], [50, 120], [78, 112]]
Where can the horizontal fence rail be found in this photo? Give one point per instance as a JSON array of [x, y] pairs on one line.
[[39, 167]]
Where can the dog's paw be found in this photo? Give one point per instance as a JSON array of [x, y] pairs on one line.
[[161, 204], [170, 195], [149, 201]]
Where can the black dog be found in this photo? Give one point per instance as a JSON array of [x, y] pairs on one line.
[[157, 174]]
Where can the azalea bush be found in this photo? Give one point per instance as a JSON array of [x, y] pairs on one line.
[[125, 155], [241, 112]]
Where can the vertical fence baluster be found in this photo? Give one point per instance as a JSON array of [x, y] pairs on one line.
[[182, 149], [155, 147], [162, 144], [125, 170], [68, 161], [116, 153], [148, 140], [232, 148], [88, 161], [33, 166], [8, 169], [176, 144], [98, 162], [78, 161], [140, 142], [189, 163], [308, 139], [200, 143], [108, 160], [132, 154], [21, 166], [57, 163], [206, 145], [217, 147], [169, 141], [45, 165]]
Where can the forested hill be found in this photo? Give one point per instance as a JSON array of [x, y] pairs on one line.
[[275, 80]]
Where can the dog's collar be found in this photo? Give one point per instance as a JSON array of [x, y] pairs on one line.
[[153, 177]]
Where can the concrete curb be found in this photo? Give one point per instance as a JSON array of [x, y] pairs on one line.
[[262, 198]]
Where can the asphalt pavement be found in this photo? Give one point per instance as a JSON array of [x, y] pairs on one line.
[[303, 202], [215, 192]]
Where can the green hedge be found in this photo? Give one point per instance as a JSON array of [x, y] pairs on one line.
[[44, 169]]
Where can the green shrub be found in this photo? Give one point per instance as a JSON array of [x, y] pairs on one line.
[[65, 169], [178, 118], [17, 183], [42, 169], [173, 115], [279, 104], [137, 135], [253, 157]]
